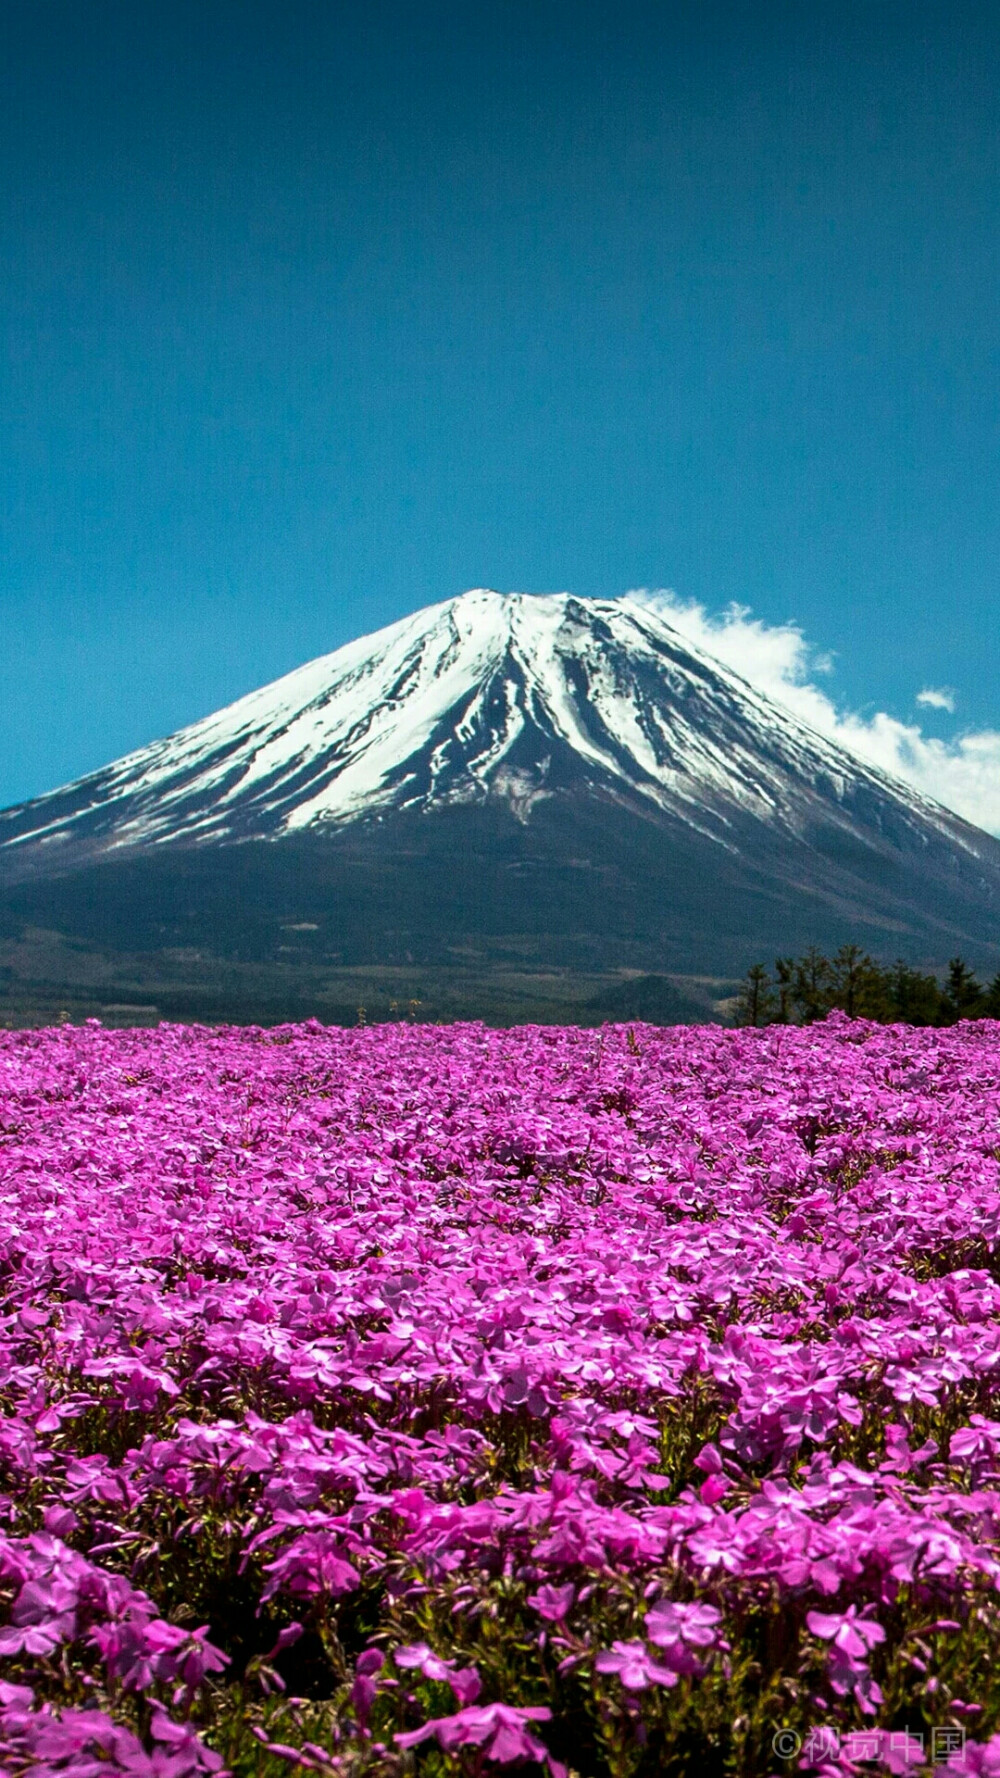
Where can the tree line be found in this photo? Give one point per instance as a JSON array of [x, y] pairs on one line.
[[800, 990]]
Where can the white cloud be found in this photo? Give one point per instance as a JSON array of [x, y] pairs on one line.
[[937, 698], [963, 774]]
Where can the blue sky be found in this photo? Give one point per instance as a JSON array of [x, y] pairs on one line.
[[314, 313]]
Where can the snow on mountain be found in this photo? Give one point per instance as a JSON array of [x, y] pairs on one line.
[[514, 697]]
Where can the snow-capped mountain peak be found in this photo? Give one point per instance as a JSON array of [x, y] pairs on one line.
[[515, 697]]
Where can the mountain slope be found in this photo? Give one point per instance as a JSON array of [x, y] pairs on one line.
[[568, 774]]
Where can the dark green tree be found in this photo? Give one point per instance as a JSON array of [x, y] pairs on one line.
[[808, 987], [991, 999], [963, 997], [812, 986], [756, 1001], [913, 999], [857, 985], [784, 971]]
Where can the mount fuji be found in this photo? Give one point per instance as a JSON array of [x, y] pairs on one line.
[[565, 779]]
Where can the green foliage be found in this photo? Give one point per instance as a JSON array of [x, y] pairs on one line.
[[806, 988]]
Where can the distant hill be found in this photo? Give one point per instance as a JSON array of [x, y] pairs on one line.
[[651, 999]]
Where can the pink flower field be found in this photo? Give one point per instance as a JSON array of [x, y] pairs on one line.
[[443, 1400]]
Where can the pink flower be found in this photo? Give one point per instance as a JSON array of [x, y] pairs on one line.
[[140, 1650], [980, 1758], [365, 1688], [499, 1729], [669, 1623], [634, 1666], [464, 1681], [851, 1634], [86, 1743], [312, 1564], [553, 1603], [61, 1521], [851, 1638]]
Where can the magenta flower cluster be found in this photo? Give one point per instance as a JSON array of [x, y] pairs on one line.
[[602, 1401]]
